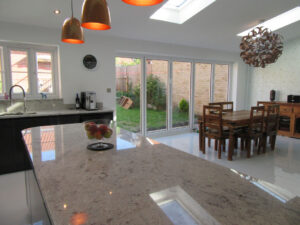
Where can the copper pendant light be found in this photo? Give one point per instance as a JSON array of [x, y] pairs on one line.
[[95, 15], [72, 32], [143, 2]]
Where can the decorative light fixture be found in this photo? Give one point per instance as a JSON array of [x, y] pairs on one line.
[[72, 31], [261, 47], [143, 2], [95, 15]]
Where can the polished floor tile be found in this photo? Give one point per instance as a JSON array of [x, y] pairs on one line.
[[14, 205], [280, 167]]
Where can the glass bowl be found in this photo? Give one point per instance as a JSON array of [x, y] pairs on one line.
[[97, 130]]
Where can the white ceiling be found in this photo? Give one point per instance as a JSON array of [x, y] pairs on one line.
[[215, 27]]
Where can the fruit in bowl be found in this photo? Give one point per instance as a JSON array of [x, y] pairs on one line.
[[97, 131]]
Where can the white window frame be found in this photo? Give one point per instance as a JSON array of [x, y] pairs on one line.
[[31, 50], [2, 72]]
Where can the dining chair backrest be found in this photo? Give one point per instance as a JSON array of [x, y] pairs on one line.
[[264, 104], [212, 119], [226, 106], [272, 118], [256, 123]]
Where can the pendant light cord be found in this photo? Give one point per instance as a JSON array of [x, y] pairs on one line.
[[72, 7]]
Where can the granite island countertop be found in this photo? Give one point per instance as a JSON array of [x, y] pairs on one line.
[[130, 183]]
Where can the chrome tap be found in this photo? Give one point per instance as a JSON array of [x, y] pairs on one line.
[[24, 97]]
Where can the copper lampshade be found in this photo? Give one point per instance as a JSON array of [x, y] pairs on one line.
[[72, 31], [143, 2], [95, 15]]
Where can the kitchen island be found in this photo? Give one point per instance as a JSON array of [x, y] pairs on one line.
[[140, 181], [13, 154]]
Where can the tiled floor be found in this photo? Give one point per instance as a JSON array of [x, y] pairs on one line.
[[14, 206], [280, 167]]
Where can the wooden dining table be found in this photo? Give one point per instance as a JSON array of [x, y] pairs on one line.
[[232, 120]]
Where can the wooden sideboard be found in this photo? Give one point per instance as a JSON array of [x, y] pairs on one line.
[[289, 122]]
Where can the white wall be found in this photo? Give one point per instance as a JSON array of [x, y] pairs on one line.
[[282, 76], [75, 78]]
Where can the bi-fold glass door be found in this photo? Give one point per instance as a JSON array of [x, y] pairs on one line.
[[181, 92], [211, 83], [164, 94], [128, 93], [157, 79]]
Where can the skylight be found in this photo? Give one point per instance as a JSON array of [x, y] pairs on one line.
[[278, 22], [179, 11]]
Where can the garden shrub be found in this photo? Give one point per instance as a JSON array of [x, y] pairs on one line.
[[136, 93], [156, 93], [183, 105]]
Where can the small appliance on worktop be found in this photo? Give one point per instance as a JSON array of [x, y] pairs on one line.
[[88, 100], [293, 99]]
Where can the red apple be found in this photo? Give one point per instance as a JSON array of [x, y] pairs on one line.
[[108, 133], [98, 135], [89, 135], [103, 128], [93, 129]]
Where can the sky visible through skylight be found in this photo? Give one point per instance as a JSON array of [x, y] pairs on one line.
[[179, 11]]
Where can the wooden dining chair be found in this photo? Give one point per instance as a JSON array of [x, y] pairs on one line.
[[254, 131], [212, 128], [226, 106], [271, 124], [261, 103]]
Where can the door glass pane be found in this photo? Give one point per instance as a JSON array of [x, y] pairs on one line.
[[157, 79], [19, 70], [1, 72], [221, 83], [181, 75], [202, 88], [128, 80], [44, 72]]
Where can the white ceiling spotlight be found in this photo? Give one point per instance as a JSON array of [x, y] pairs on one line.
[[179, 11], [56, 11], [277, 22]]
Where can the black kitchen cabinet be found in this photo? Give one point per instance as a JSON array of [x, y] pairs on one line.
[[86, 117], [13, 155]]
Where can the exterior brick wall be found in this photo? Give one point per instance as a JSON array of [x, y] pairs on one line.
[[202, 86]]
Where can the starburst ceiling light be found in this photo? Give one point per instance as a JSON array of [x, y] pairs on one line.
[[72, 32], [261, 47], [143, 2]]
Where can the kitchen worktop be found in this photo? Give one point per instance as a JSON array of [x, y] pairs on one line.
[[134, 182], [55, 112]]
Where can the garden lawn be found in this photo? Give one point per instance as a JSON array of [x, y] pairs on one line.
[[129, 119]]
